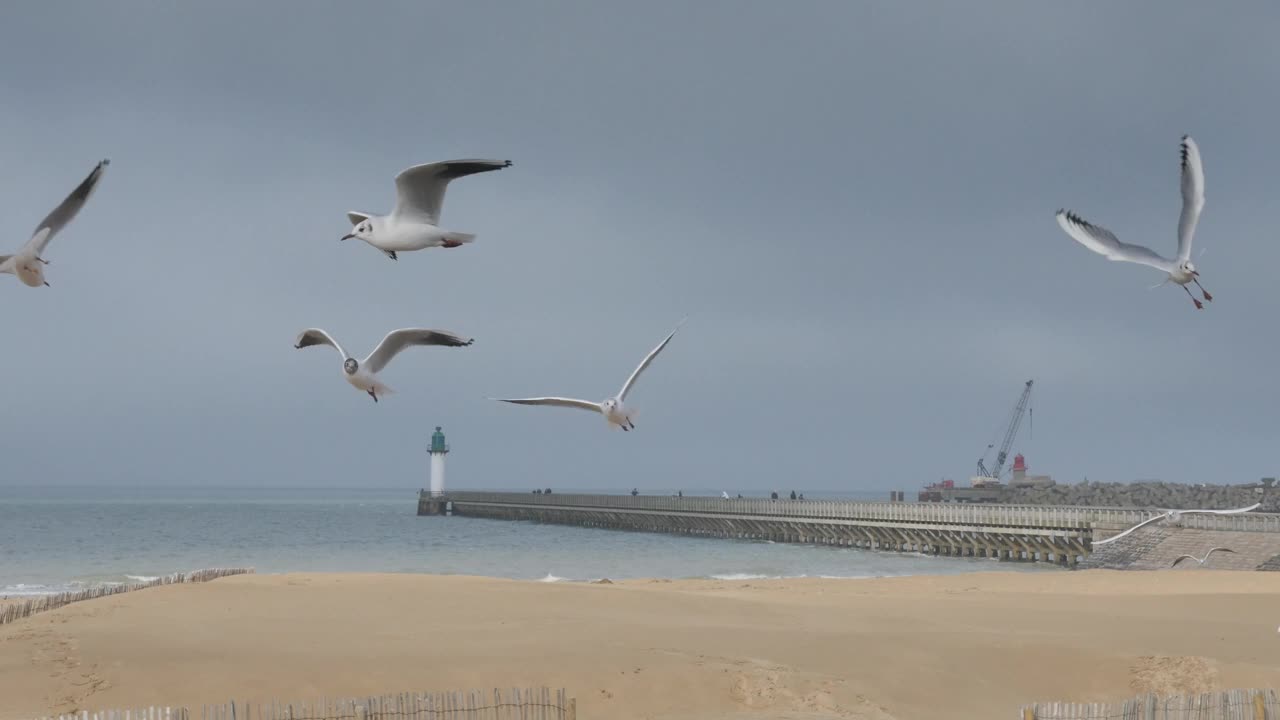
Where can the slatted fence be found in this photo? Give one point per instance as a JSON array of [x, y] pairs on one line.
[[1224, 705], [499, 704], [25, 608]]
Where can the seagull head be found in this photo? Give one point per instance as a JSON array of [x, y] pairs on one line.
[[363, 231], [610, 405], [349, 366], [1190, 268]]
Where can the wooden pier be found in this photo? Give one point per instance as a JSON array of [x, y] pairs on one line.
[[1058, 534]]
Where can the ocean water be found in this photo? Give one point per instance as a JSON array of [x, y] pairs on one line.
[[57, 539]]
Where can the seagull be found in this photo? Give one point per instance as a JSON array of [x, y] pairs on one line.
[[1180, 269], [414, 223], [1200, 560], [363, 373], [27, 264], [1175, 515], [615, 413]]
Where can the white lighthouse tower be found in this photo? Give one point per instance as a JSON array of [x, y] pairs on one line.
[[438, 450]]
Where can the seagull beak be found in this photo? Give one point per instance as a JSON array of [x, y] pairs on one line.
[[348, 236], [1195, 273]]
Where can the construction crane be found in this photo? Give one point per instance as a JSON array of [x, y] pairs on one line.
[[992, 476]]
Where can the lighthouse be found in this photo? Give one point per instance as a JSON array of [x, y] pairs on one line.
[[439, 448]]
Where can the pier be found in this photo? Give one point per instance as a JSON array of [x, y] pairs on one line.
[[1027, 533]]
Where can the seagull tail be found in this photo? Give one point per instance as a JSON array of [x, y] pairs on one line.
[[455, 239]]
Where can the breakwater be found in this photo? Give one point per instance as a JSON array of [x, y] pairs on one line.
[[1027, 533], [1015, 533]]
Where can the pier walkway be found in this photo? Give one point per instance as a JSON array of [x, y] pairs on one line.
[[1059, 534]]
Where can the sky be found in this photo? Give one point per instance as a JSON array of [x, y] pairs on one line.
[[853, 203]]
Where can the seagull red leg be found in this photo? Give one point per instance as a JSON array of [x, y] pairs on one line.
[[1207, 296], [1193, 298]]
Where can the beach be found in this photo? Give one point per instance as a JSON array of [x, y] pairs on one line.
[[964, 646]]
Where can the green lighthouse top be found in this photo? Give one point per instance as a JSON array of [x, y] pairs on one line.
[[437, 442]]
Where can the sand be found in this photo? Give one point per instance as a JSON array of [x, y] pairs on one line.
[[961, 646]]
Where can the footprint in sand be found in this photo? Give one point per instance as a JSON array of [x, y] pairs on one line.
[[1173, 675]]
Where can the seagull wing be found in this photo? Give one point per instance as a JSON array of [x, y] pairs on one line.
[[626, 387], [398, 340], [356, 217], [1192, 196], [1103, 242], [64, 213], [555, 401], [316, 336], [1180, 558], [420, 189], [1148, 521]]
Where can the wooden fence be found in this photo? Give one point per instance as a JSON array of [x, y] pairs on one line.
[[26, 608], [1225, 705], [510, 704]]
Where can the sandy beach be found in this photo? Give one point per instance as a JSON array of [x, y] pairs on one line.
[[966, 646]]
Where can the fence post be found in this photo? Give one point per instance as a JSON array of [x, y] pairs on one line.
[[573, 709], [1259, 707], [1028, 713]]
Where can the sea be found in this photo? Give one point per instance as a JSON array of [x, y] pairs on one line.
[[55, 539]]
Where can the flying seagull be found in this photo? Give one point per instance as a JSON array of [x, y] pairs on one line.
[[414, 223], [1174, 515], [363, 373], [1180, 269], [613, 410], [28, 263], [1200, 560]]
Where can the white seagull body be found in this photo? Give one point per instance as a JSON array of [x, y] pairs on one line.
[[1174, 515], [28, 264], [615, 413], [1180, 269], [414, 224], [1200, 560], [362, 374]]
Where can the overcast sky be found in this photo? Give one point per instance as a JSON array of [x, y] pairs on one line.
[[854, 202]]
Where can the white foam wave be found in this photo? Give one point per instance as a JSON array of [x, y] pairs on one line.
[[143, 578], [552, 578], [744, 576]]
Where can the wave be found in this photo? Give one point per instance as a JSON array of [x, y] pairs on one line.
[[552, 578], [36, 589]]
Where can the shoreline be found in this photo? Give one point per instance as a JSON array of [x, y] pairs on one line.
[[979, 644], [978, 565]]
